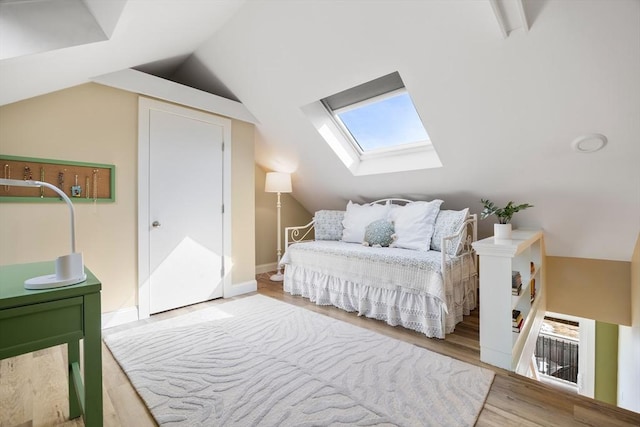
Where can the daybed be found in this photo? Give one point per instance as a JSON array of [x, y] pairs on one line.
[[422, 284]]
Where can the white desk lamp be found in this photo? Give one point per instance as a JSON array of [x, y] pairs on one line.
[[69, 268], [278, 182]]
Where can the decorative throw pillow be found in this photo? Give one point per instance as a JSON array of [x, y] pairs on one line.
[[357, 217], [414, 224], [379, 233], [448, 223], [328, 225]]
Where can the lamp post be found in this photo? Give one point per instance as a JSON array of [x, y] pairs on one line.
[[69, 268], [278, 182]]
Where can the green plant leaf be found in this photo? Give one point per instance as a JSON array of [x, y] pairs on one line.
[[504, 214]]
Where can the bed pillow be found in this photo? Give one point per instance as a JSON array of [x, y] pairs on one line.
[[328, 225], [448, 223], [357, 217], [414, 224], [379, 233]]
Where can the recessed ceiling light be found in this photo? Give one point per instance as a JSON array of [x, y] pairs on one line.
[[589, 143]]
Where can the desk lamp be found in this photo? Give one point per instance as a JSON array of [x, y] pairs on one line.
[[69, 268]]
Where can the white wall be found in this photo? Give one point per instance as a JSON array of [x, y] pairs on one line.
[[501, 113]]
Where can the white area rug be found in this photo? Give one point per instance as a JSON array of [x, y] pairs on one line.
[[258, 361]]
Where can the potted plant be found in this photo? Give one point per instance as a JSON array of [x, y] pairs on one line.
[[502, 230]]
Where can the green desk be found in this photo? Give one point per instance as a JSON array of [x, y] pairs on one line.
[[31, 320]]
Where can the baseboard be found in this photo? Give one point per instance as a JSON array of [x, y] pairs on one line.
[[130, 314], [241, 288], [266, 268], [119, 317]]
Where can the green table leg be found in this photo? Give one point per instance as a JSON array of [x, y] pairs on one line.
[[73, 354], [92, 361]]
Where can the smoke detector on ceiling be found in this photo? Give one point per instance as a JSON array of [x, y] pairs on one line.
[[589, 143]]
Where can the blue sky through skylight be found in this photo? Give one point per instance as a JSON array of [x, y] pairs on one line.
[[386, 123]]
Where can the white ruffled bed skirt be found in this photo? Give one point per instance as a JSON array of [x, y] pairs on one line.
[[404, 307]]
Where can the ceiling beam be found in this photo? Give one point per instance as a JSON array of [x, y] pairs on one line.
[[146, 84], [510, 16]]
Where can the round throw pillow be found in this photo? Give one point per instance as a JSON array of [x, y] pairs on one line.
[[379, 233]]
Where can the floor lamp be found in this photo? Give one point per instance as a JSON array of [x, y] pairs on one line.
[[69, 268], [278, 182]]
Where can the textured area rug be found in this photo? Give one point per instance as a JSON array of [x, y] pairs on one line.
[[257, 361]]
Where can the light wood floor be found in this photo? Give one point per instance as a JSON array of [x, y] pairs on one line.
[[33, 390]]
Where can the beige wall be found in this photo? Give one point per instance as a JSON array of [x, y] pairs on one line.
[[95, 123], [243, 203], [629, 344], [635, 291], [89, 123], [590, 288], [266, 221]]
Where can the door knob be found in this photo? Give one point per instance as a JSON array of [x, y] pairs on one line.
[[155, 224]]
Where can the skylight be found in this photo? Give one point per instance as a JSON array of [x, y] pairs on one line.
[[378, 114], [387, 121], [374, 128]]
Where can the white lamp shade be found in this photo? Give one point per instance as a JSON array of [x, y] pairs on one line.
[[278, 182]]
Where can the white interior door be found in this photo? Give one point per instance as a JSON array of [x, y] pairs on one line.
[[185, 210]]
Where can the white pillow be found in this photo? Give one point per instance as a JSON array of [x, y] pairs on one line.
[[448, 223], [357, 217], [328, 225], [414, 224]]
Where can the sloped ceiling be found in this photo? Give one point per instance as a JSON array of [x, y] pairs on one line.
[[501, 112], [146, 31]]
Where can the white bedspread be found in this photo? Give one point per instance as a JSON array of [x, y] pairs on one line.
[[387, 268], [400, 286]]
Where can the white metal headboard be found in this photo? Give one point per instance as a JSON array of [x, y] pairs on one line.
[[391, 201]]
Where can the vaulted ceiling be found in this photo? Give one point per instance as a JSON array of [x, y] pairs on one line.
[[502, 112]]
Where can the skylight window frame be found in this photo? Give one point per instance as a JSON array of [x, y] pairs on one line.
[[412, 156], [364, 154]]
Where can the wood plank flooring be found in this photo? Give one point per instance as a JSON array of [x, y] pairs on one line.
[[33, 387]]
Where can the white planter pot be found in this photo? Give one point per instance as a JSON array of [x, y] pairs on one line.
[[502, 231]]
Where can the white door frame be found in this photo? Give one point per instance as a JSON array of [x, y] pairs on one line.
[[144, 225], [586, 352]]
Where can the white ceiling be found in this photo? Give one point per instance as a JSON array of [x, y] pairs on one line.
[[146, 31], [502, 113]]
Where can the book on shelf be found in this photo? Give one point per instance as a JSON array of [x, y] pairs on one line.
[[517, 320], [516, 283], [532, 287], [516, 291], [518, 327], [516, 279]]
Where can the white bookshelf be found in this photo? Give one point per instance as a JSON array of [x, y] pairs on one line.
[[499, 346]]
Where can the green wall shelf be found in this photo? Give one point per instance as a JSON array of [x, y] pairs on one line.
[[83, 182]]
